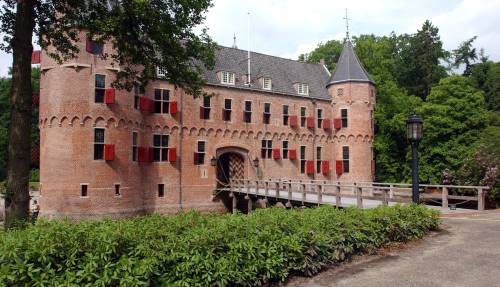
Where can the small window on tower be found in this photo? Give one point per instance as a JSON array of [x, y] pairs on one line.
[[320, 117], [117, 190], [161, 190], [285, 115], [345, 158], [134, 146], [302, 159], [302, 116], [161, 101], [343, 116], [98, 143], [340, 92], [100, 87], [247, 115], [267, 113]]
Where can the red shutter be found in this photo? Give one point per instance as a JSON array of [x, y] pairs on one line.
[[196, 158], [310, 122], [141, 154], [202, 113], [36, 57], [89, 46], [337, 123], [172, 155], [109, 152], [151, 105], [276, 153], [293, 121], [326, 124], [109, 96], [339, 167], [310, 167], [173, 108], [143, 104], [325, 167], [292, 154]]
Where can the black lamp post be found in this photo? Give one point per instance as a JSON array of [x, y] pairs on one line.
[[414, 135]]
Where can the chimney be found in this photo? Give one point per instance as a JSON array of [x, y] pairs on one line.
[[322, 61]]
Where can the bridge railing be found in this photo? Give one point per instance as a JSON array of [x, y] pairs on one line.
[[384, 192]]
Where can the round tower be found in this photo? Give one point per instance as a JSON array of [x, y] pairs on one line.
[[353, 99], [86, 131]]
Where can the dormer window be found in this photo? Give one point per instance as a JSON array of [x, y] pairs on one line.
[[227, 78], [266, 84], [302, 89]]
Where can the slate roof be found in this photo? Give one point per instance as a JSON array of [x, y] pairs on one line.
[[349, 68], [284, 73]]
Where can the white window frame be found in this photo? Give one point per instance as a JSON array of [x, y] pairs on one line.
[[227, 78], [267, 84], [161, 72], [303, 89]]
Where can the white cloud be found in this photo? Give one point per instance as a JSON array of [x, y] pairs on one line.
[[288, 28]]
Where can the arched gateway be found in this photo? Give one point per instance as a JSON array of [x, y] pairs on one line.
[[231, 164]]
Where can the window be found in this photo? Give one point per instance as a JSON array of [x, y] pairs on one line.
[[303, 89], [267, 113], [201, 152], [137, 90], [285, 115], [343, 116], [161, 101], [99, 143], [247, 116], [134, 146], [227, 110], [266, 83], [161, 190], [161, 72], [302, 116], [302, 159], [117, 189], [318, 159], [345, 158], [227, 78], [84, 190], [267, 149], [340, 92], [160, 147], [100, 87], [285, 149], [372, 122], [205, 109], [320, 117]]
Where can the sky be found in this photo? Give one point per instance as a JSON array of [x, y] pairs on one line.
[[288, 28]]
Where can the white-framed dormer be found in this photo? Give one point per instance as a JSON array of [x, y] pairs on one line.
[[227, 78], [302, 89], [267, 83], [161, 72]]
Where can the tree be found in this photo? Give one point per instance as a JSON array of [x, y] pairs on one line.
[[454, 117], [329, 51], [485, 75], [144, 34], [465, 54], [419, 57]]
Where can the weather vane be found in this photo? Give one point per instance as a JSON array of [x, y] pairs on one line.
[[346, 25]]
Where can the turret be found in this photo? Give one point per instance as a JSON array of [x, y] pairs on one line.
[[353, 98]]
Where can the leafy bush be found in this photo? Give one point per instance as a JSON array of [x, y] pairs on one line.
[[191, 249]]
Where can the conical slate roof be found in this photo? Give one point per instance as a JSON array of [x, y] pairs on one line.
[[349, 68]]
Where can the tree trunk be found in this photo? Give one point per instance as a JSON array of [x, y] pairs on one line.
[[19, 150]]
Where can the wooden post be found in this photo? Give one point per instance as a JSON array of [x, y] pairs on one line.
[[385, 200], [337, 195], [391, 191], [303, 187], [480, 199], [249, 206], [235, 203], [359, 196], [290, 193], [256, 187], [444, 197], [320, 194], [277, 190], [266, 189]]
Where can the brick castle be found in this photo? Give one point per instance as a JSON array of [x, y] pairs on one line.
[[114, 153]]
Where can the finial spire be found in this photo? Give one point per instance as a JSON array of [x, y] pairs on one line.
[[346, 26], [234, 41]]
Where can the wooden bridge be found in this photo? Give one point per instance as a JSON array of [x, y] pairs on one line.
[[342, 194]]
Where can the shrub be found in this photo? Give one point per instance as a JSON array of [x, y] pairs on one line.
[[191, 249]]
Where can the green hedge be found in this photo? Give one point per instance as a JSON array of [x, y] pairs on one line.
[[201, 250]]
